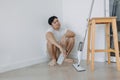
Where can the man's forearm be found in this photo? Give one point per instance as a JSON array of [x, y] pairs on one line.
[[50, 37]]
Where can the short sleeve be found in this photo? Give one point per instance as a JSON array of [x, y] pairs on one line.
[[49, 30], [66, 30]]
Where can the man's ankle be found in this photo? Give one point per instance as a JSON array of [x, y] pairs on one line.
[[54, 59]]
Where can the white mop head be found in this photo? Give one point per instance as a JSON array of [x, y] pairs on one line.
[[78, 67]]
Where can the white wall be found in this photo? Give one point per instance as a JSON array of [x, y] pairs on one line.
[[75, 14], [23, 24]]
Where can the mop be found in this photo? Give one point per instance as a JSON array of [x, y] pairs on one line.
[[77, 65], [80, 49], [79, 55]]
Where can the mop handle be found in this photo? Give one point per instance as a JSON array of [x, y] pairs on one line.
[[87, 25]]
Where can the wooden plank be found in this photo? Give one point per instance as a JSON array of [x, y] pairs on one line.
[[115, 37], [88, 47], [102, 50], [108, 40], [103, 20], [93, 44]]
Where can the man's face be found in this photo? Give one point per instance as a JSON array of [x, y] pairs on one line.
[[56, 24]]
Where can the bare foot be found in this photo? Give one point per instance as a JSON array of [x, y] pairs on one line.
[[52, 62], [68, 60]]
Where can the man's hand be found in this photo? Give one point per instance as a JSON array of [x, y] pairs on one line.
[[63, 51]]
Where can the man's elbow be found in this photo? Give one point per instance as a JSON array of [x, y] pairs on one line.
[[73, 34]]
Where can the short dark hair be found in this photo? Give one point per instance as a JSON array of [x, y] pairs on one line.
[[51, 19]]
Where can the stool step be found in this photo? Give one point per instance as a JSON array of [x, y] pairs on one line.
[[103, 50]]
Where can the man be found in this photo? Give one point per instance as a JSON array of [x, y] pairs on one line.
[[60, 39]]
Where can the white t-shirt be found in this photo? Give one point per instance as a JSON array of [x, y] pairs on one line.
[[58, 33]]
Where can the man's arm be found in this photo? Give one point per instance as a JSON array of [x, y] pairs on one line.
[[50, 37]]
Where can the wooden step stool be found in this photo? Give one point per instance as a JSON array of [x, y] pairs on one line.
[[91, 39]]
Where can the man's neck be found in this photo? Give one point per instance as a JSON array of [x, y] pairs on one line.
[[56, 29]]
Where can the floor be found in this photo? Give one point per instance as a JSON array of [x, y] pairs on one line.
[[42, 71]]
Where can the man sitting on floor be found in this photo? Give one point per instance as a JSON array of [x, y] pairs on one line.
[[59, 39]]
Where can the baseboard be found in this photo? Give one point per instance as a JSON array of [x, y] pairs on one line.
[[23, 64]]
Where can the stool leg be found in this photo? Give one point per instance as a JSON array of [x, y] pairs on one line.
[[88, 47], [93, 45], [115, 37], [108, 40]]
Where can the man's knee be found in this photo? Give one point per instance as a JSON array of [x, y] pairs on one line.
[[71, 39]]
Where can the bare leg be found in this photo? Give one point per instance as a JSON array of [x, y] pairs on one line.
[[52, 52], [68, 45]]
